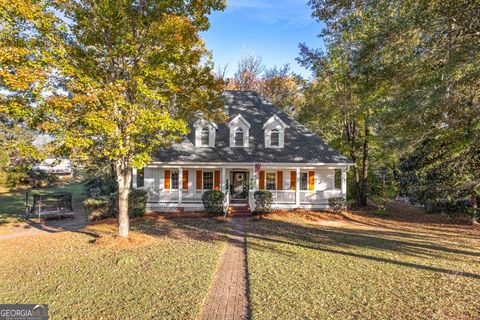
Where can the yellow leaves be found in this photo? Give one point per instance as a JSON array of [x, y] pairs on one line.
[[123, 96]]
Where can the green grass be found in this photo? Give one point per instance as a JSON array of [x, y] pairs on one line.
[[166, 278], [304, 271], [12, 204]]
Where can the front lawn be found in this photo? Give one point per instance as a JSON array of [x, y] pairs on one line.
[[301, 269], [165, 274], [12, 204]]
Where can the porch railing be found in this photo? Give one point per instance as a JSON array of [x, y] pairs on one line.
[[155, 195], [283, 196], [278, 196], [192, 195], [318, 197]]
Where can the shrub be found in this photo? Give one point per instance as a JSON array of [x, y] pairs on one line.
[[213, 201], [263, 201], [103, 185], [98, 208], [94, 203], [12, 179], [336, 204], [40, 178], [137, 202], [16, 178]]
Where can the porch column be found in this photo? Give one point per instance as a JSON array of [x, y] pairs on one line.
[[344, 183], [297, 188], [255, 186], [180, 184], [223, 180], [134, 178]]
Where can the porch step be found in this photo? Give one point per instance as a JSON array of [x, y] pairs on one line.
[[239, 211]]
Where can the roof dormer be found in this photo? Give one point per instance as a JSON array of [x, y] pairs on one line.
[[239, 132], [205, 133], [274, 132]]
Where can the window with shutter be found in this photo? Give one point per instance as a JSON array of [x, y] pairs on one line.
[[167, 179], [261, 181], [271, 181], [198, 184], [185, 180], [293, 180], [280, 180], [216, 180]]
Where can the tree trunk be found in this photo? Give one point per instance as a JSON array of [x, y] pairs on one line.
[[474, 208], [350, 130], [365, 163], [124, 179]]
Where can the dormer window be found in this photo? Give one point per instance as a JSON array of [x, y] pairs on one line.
[[274, 132], [239, 132], [205, 137], [205, 132], [239, 137], [275, 138]]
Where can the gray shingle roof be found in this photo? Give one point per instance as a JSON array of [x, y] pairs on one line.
[[301, 145]]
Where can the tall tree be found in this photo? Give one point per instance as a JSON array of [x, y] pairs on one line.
[[249, 70], [345, 87], [416, 65], [125, 76], [282, 87]]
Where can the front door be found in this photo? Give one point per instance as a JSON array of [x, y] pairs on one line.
[[239, 185]]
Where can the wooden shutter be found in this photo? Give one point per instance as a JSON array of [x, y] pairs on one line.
[[311, 180], [216, 180], [185, 180], [293, 180], [199, 180], [262, 180], [167, 179], [279, 180]]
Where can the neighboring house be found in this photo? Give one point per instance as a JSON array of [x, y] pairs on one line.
[[258, 148], [55, 166]]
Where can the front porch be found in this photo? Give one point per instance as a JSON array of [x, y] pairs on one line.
[[172, 187]]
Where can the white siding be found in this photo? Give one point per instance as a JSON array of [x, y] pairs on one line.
[[324, 179], [149, 182], [161, 179]]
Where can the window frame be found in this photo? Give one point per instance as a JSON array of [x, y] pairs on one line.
[[238, 131], [203, 180], [202, 131], [274, 180], [306, 180], [277, 133], [173, 181]]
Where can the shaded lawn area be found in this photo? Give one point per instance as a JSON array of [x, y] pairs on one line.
[[301, 269], [165, 274], [12, 204]]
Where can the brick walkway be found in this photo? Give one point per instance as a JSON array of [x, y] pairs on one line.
[[228, 298]]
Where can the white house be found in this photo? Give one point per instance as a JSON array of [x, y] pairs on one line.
[[258, 148]]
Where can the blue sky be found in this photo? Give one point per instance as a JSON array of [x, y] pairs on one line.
[[270, 28]]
